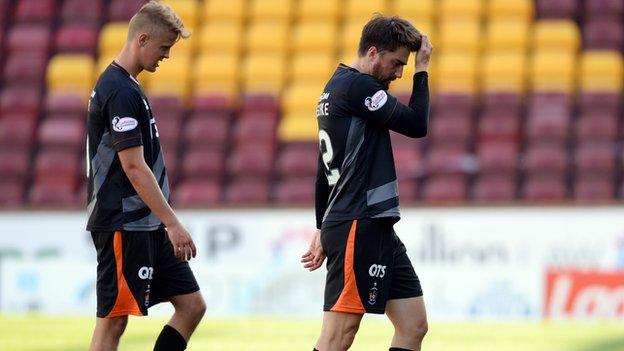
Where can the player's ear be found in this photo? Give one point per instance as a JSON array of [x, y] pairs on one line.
[[371, 52], [143, 38]]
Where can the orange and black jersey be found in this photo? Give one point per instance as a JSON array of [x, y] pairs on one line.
[[119, 117], [356, 176]]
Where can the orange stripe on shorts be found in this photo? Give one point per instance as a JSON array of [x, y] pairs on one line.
[[126, 303], [349, 300]]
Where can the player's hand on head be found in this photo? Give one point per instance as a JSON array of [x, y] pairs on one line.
[[424, 54], [315, 256], [182, 242]]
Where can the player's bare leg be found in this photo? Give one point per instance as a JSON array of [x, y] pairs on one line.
[[409, 318], [189, 310], [107, 333], [338, 331]]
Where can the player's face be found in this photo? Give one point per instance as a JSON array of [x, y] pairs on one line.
[[388, 65], [156, 48]]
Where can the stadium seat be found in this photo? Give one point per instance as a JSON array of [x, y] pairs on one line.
[[350, 38], [594, 188], [314, 37], [297, 159], [409, 191], [499, 125], [508, 102], [20, 99], [14, 163], [544, 189], [556, 35], [545, 159], [494, 188], [600, 102], [450, 127], [123, 10], [57, 192], [298, 128], [456, 73], [35, 11], [314, 10], [601, 71], [197, 192], [217, 74], [77, 38], [459, 102], [452, 10], [24, 68], [362, 10], [601, 34], [83, 12], [220, 38], [62, 102], [459, 36], [295, 191], [595, 158], [251, 161], [112, 38], [312, 67], [504, 72], [254, 131], [12, 193], [419, 11], [604, 9], [207, 130], [449, 159], [507, 35], [301, 98], [553, 71], [201, 162], [445, 189], [230, 11], [5, 12], [271, 10], [257, 34], [596, 126], [71, 73], [247, 191], [557, 8], [497, 157], [265, 104], [17, 130], [510, 9], [263, 73], [547, 127], [408, 162], [31, 38], [166, 107], [62, 132], [51, 163], [169, 130], [188, 11], [173, 78]]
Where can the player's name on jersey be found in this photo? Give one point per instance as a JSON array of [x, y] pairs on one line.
[[322, 109]]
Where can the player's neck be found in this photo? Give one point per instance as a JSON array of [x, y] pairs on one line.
[[361, 66], [126, 60]]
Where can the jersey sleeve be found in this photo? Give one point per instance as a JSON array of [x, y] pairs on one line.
[[370, 101], [124, 113], [321, 193]]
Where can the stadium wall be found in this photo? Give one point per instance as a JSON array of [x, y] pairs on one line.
[[520, 263]]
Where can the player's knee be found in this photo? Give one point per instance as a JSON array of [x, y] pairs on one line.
[[193, 309], [414, 331], [348, 335], [117, 325]]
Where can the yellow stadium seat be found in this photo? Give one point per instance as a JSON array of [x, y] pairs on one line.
[[220, 10], [460, 35], [507, 35], [421, 10], [220, 37], [602, 71], [112, 38], [267, 37], [511, 9], [271, 10], [187, 10], [312, 67], [173, 77], [350, 38], [71, 72], [298, 127], [460, 9], [216, 73], [359, 10], [314, 36], [553, 71], [556, 35], [264, 73], [318, 10], [183, 47], [301, 98], [456, 73], [504, 72]]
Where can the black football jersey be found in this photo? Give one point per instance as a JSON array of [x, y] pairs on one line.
[[356, 176], [120, 117]]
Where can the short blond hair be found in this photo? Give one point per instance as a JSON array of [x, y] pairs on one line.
[[154, 16]]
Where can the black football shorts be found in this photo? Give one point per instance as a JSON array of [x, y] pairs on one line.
[[137, 270], [367, 265]]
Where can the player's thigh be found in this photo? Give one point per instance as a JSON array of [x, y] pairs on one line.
[[340, 323], [408, 313]]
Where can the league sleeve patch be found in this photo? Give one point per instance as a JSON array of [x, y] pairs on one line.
[[375, 102], [124, 124]]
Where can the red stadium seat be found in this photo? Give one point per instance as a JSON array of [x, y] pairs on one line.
[[497, 157], [248, 191], [509, 103], [454, 102], [12, 193], [548, 122], [557, 8], [596, 9], [254, 131], [596, 127], [32, 38], [491, 188], [594, 188], [207, 130], [166, 107], [445, 189], [595, 158], [123, 10], [295, 160], [169, 130], [211, 102], [17, 130], [251, 160], [264, 115], [19, 99], [25, 68], [62, 132], [408, 162], [298, 190], [57, 102], [77, 38], [450, 127], [56, 192], [4, 11], [14, 163], [408, 191], [499, 126], [171, 161], [449, 160], [197, 192], [41, 11], [57, 164], [539, 188], [260, 102], [80, 11], [598, 102], [546, 159], [603, 34], [203, 162]]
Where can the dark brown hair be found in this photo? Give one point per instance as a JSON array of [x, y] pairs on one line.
[[388, 34]]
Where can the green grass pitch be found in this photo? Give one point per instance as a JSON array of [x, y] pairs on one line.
[[42, 333]]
